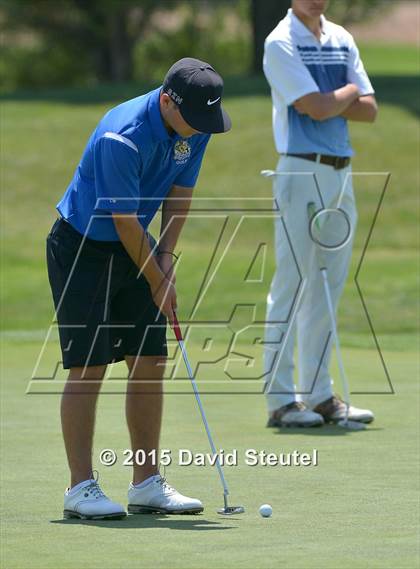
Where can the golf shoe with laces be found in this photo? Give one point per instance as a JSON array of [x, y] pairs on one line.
[[159, 497], [295, 414], [334, 410], [88, 502]]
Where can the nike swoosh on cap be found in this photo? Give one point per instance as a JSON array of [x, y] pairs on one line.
[[210, 102]]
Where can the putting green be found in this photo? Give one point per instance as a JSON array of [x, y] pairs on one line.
[[355, 509]]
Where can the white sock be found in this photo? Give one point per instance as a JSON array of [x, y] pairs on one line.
[[147, 481]]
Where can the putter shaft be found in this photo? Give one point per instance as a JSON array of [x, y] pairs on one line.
[[344, 380], [180, 339], [311, 209]]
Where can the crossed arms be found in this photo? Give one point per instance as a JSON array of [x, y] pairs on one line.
[[287, 74], [345, 102]]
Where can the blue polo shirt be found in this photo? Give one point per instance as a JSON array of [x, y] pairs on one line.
[[296, 63], [129, 165]]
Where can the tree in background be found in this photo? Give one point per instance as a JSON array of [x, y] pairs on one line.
[[80, 42], [265, 15], [217, 31], [98, 34], [346, 12]]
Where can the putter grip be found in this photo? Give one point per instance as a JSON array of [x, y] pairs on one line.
[[177, 329]]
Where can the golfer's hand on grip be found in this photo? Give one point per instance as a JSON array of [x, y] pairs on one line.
[[164, 297]]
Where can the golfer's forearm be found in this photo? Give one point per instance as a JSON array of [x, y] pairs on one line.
[[341, 98], [174, 212], [322, 106], [134, 239], [364, 109]]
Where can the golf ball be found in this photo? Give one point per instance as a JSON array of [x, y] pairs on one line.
[[265, 510]]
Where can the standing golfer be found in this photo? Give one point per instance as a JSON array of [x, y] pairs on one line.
[[113, 287], [318, 83]]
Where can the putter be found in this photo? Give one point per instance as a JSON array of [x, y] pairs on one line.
[[226, 510], [345, 423], [269, 173]]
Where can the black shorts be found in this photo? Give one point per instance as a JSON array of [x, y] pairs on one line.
[[104, 307]]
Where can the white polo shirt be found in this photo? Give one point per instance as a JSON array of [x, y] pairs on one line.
[[295, 64]]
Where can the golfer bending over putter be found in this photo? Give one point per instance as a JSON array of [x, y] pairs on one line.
[[318, 83], [113, 287]]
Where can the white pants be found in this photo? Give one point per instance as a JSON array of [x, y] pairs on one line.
[[296, 301]]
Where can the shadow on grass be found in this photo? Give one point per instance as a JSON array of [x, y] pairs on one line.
[[193, 523], [118, 92], [324, 431], [400, 90]]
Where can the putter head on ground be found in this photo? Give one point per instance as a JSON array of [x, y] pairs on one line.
[[231, 510], [352, 425], [267, 173]]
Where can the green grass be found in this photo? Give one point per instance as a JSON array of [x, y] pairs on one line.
[[355, 509], [389, 59]]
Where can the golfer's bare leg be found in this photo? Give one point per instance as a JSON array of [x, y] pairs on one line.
[[144, 404], [78, 407]]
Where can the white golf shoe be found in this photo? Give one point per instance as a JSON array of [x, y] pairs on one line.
[[334, 410], [87, 502], [295, 414], [159, 497]]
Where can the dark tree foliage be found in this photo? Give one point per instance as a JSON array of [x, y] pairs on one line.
[[67, 41], [104, 31], [265, 15]]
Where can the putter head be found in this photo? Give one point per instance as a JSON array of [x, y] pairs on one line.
[[351, 425], [267, 173], [231, 510]]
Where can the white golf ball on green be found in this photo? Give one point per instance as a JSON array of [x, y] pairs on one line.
[[265, 510]]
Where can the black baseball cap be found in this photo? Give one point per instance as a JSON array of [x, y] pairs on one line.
[[197, 90]]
